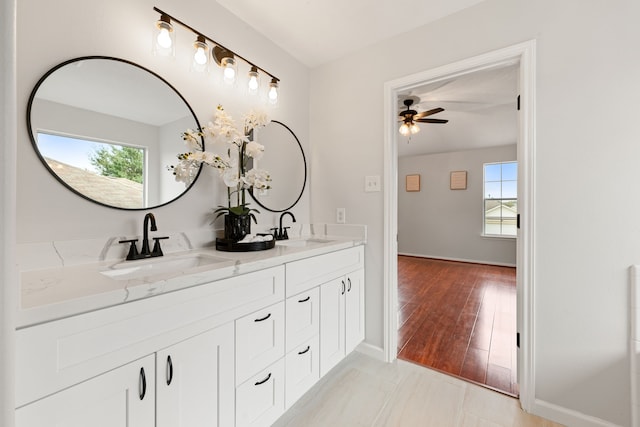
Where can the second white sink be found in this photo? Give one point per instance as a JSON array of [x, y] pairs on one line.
[[303, 242], [127, 270]]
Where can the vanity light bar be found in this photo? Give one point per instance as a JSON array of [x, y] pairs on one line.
[[220, 47]]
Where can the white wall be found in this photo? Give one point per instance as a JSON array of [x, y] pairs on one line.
[[51, 32], [586, 150], [8, 275], [442, 223]]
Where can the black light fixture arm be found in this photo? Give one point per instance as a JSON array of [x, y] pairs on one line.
[[198, 33]]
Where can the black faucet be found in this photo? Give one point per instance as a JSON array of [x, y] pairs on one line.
[[145, 252], [145, 233], [281, 233]]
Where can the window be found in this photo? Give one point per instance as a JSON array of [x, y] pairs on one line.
[[500, 199]]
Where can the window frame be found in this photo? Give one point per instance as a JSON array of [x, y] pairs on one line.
[[500, 199]]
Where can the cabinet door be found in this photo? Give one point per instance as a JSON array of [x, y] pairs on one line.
[[303, 316], [354, 310], [260, 399], [332, 324], [123, 397], [302, 370], [195, 384]]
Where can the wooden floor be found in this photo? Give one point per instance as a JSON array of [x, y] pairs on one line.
[[459, 318]]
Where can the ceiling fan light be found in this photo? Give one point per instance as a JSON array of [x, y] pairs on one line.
[[414, 128], [404, 129]]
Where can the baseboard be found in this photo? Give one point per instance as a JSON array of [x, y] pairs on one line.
[[472, 261], [371, 351], [566, 416]]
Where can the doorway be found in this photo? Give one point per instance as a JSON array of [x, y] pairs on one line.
[[524, 55], [460, 317]]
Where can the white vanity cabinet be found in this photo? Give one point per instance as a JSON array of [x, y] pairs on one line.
[[237, 351], [122, 397], [77, 368], [341, 318], [338, 277], [303, 344], [195, 385]]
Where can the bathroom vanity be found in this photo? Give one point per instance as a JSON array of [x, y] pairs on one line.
[[226, 340]]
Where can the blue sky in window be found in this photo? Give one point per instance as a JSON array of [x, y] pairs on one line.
[[71, 151]]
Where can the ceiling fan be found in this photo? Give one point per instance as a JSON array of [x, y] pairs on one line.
[[410, 117]]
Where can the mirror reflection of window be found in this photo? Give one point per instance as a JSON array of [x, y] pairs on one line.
[[102, 99], [103, 171]]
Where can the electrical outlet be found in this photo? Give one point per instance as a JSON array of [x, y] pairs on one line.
[[341, 215], [372, 183]]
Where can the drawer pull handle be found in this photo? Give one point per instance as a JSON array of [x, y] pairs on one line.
[[264, 380], [305, 350], [349, 288], [343, 287], [169, 370], [264, 318], [304, 300], [142, 384]]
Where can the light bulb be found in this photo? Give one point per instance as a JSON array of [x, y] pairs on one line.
[[200, 56], [164, 39], [253, 80], [229, 72], [273, 91], [414, 128], [404, 129]]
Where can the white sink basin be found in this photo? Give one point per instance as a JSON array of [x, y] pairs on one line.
[[299, 243], [127, 270]]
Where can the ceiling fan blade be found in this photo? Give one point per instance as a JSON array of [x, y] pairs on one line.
[[431, 121], [429, 113]]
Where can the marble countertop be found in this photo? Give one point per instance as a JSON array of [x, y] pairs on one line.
[[54, 293]]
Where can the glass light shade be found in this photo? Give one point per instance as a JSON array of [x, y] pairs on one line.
[[414, 128], [200, 55], [164, 37], [254, 81], [229, 72], [404, 129], [273, 92]]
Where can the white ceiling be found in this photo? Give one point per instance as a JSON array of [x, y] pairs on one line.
[[480, 107], [319, 31]]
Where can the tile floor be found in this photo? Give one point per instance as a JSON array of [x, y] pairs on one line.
[[362, 391]]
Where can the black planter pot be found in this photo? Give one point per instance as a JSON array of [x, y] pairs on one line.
[[236, 226]]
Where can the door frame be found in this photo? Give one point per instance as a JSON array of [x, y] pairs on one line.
[[524, 55]]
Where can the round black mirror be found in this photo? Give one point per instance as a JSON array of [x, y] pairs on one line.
[[107, 129], [285, 160]]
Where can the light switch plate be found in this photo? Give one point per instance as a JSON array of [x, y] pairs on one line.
[[371, 183]]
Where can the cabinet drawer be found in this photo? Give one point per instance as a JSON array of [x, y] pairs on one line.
[[306, 273], [59, 354], [302, 366], [259, 340], [260, 400], [303, 317]]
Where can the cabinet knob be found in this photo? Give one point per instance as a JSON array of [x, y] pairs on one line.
[[169, 370], [142, 384], [264, 380], [343, 287], [349, 288]]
